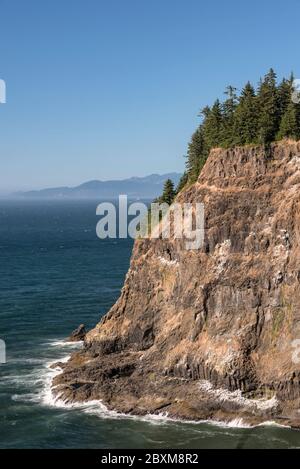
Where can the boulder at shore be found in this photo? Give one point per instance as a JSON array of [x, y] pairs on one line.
[[78, 334]]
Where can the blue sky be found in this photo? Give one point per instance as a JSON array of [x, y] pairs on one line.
[[109, 89]]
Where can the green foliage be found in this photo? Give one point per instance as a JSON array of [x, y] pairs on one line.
[[268, 109], [228, 117], [246, 118], [183, 181], [196, 155], [290, 112], [168, 194], [288, 126], [284, 91], [213, 124], [251, 118]]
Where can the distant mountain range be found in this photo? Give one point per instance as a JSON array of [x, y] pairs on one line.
[[147, 187]]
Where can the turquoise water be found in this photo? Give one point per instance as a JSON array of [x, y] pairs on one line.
[[55, 274]]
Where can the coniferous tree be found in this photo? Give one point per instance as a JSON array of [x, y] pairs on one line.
[[284, 93], [204, 113], [197, 154], [169, 193], [269, 116], [228, 111], [212, 125], [289, 127], [246, 117], [182, 182], [289, 111]]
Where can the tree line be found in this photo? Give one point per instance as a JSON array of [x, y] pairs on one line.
[[255, 116]]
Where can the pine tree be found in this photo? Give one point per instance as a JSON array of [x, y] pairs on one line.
[[289, 111], [169, 193], [212, 125], [284, 93], [289, 126], [228, 111], [182, 182], [246, 117], [197, 154], [269, 115]]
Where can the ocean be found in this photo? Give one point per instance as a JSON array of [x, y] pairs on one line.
[[55, 274]]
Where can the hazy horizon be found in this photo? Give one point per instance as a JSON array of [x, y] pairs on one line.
[[11, 192], [39, 186]]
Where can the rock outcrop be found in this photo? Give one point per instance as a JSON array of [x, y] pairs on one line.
[[78, 334], [212, 333]]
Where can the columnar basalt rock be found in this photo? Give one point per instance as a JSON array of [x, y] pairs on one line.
[[228, 313]]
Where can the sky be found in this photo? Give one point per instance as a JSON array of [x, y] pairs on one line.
[[109, 89]]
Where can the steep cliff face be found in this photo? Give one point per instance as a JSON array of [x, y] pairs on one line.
[[210, 333]]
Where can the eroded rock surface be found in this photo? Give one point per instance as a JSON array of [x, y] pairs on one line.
[[210, 333]]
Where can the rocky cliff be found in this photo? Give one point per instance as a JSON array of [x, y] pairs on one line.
[[213, 333]]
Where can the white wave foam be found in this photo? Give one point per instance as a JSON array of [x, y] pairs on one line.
[[236, 423], [47, 396], [14, 379], [30, 397], [235, 397], [40, 378], [165, 418], [29, 361], [271, 423], [64, 343]]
